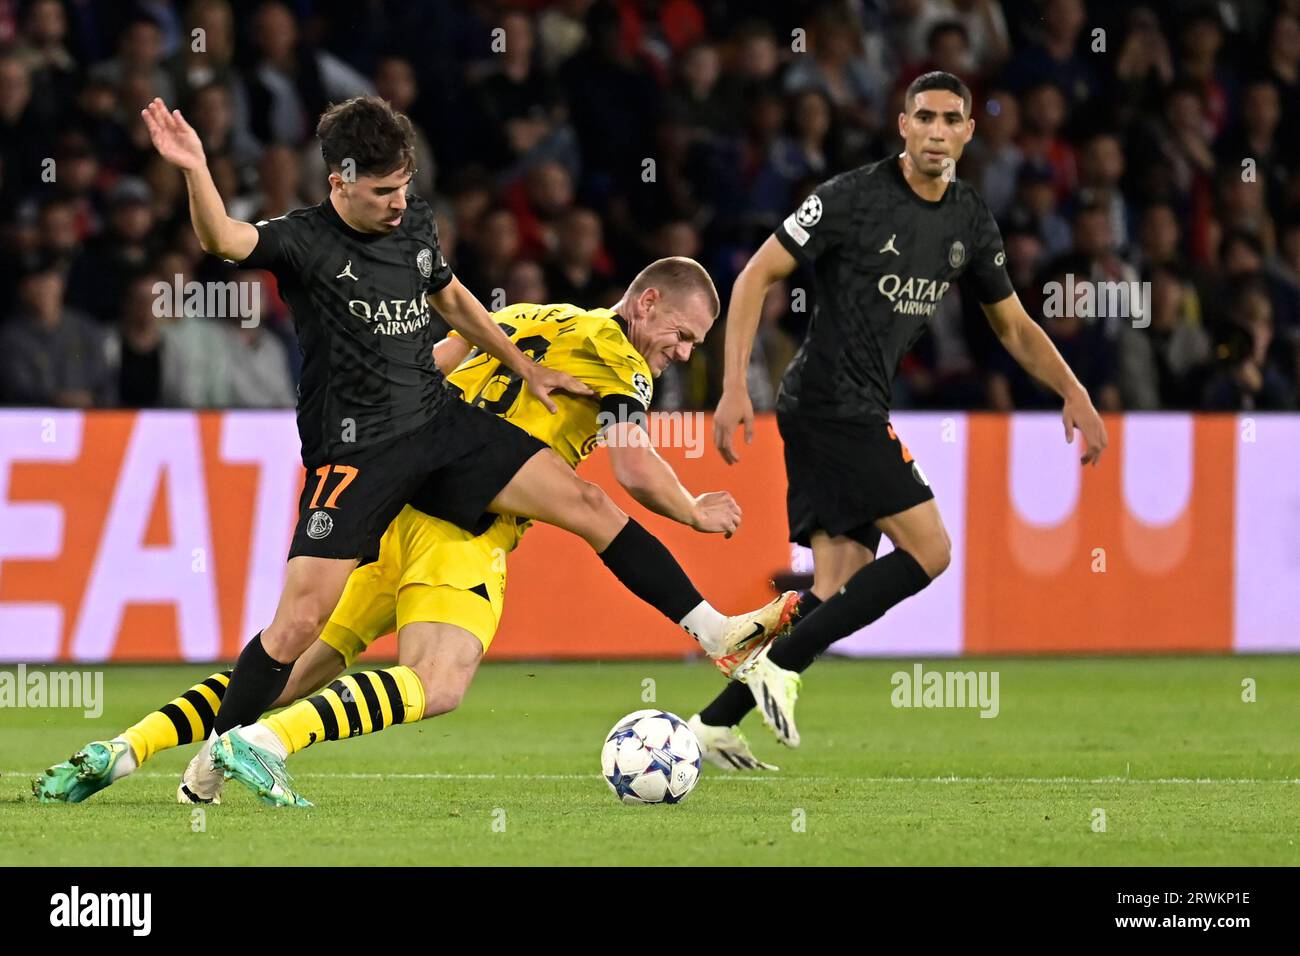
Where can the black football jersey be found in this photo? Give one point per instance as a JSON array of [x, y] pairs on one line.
[[882, 257], [364, 325]]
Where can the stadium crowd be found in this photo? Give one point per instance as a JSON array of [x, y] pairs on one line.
[[565, 144]]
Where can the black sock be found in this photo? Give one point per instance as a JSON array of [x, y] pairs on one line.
[[650, 571], [735, 700], [257, 681], [867, 596]]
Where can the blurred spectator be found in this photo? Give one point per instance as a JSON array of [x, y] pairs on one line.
[[1035, 209], [1041, 142], [517, 104], [42, 48], [291, 82], [259, 373], [395, 81], [1160, 366], [1246, 378], [1101, 170], [1254, 147], [279, 180], [139, 51], [96, 281], [992, 161], [983, 24], [1081, 336], [835, 65], [140, 346], [483, 267], [50, 353], [613, 102], [525, 282], [1054, 57], [574, 275], [607, 131]]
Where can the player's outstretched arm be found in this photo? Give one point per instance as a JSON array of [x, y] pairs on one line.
[[653, 483], [769, 264], [177, 143], [1033, 350], [466, 315]]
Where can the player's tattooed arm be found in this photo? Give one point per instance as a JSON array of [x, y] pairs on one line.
[[466, 315], [1033, 350], [653, 483], [178, 143], [770, 263]]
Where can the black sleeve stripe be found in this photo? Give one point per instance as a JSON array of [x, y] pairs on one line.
[[621, 408], [789, 245]]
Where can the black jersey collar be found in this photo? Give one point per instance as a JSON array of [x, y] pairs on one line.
[[897, 166], [333, 218]]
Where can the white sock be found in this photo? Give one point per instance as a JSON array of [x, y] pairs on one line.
[[126, 763], [707, 626], [260, 735]]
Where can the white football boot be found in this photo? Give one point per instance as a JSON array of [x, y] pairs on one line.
[[202, 781], [775, 691], [726, 747]]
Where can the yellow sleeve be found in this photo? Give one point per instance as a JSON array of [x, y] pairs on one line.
[[620, 369]]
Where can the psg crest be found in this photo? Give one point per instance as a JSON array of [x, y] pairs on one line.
[[425, 262], [319, 525], [956, 254]]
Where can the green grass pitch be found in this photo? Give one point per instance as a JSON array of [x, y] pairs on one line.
[[1184, 770]]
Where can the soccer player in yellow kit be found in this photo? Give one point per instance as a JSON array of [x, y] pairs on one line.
[[442, 588]]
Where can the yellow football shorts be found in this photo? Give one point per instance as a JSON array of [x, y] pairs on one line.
[[429, 570]]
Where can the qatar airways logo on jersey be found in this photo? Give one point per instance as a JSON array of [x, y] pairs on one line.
[[392, 316], [913, 295]]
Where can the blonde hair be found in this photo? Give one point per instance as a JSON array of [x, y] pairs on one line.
[[677, 275]]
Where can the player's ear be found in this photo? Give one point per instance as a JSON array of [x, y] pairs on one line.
[[335, 180], [970, 131]]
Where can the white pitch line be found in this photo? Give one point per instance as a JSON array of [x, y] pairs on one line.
[[768, 778]]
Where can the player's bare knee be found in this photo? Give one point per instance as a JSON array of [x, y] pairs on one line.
[[935, 556]]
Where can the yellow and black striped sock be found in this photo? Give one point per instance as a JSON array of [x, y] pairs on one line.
[[186, 719], [352, 705]]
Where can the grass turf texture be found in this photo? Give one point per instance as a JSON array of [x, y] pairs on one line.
[[1185, 771]]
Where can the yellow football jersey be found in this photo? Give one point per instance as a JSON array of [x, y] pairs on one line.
[[590, 345]]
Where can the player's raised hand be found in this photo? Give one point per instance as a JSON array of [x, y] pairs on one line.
[[1079, 413], [174, 138], [542, 381], [716, 512], [734, 408]]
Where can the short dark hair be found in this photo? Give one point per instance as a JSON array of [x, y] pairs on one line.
[[367, 130], [937, 80]]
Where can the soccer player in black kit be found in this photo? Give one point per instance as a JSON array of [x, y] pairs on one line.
[[884, 243], [379, 428]]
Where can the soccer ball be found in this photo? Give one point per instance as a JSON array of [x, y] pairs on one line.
[[651, 756]]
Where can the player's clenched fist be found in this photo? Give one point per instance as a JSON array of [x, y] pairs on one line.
[[174, 138], [716, 512]]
